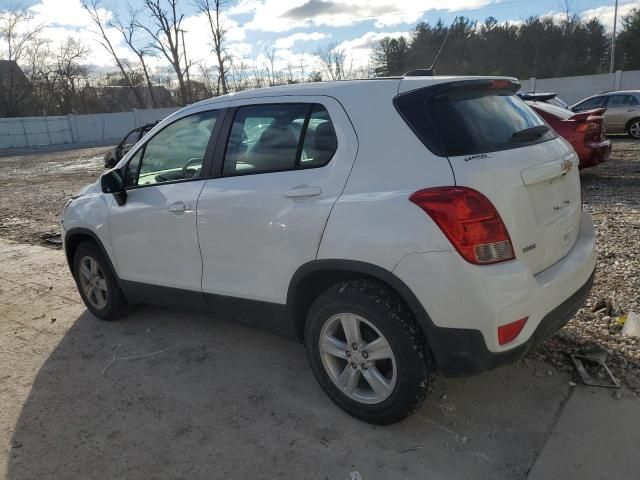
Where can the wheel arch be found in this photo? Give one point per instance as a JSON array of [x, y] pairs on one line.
[[74, 237], [315, 277]]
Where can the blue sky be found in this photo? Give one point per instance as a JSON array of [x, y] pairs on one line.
[[296, 28]]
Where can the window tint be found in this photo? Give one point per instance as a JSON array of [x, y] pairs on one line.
[[264, 138], [634, 101], [268, 138], [320, 142], [177, 151], [471, 120], [131, 176], [619, 101], [590, 103]]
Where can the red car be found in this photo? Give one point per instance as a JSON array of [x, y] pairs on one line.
[[585, 131]]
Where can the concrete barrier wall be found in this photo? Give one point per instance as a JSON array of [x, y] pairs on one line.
[[29, 132], [574, 89]]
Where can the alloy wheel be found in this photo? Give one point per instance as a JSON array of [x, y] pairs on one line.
[[634, 129], [358, 358], [93, 282]]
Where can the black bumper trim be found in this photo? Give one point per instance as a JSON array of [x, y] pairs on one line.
[[460, 352]]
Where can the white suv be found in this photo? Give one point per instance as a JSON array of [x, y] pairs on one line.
[[398, 227]]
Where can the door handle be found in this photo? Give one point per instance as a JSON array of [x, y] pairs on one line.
[[303, 192], [179, 207]]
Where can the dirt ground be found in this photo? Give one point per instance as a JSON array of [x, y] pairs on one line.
[[35, 187], [165, 394]]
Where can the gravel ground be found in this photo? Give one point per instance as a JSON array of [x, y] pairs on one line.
[[35, 187]]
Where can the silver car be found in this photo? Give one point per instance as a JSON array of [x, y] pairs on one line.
[[622, 110]]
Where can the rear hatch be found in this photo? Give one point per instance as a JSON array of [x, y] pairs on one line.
[[497, 145]]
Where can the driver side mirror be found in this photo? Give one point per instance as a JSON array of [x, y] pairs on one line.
[[112, 182]]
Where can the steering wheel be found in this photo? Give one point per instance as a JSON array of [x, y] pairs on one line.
[[190, 162]]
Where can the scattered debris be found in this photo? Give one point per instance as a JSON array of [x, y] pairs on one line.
[[133, 357], [631, 325], [590, 366], [53, 320], [52, 238], [16, 444], [356, 475], [411, 449]]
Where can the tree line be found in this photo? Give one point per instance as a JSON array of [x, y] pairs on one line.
[[541, 47]]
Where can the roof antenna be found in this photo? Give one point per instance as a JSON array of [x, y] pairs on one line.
[[429, 72]]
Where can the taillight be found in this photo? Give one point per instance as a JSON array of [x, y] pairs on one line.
[[592, 131], [507, 333], [470, 222]]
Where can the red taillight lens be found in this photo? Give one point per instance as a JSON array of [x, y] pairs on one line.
[[507, 333], [470, 222]]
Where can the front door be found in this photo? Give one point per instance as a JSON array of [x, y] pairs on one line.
[[153, 234], [285, 164], [618, 112]]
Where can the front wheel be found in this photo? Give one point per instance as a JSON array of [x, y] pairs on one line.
[[367, 353], [97, 283]]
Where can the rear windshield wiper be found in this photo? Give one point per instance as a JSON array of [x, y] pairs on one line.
[[530, 133]]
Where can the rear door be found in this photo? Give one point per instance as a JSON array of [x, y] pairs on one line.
[[497, 145], [285, 162]]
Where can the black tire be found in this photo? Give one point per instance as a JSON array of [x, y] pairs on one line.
[[415, 371], [633, 122], [116, 304]]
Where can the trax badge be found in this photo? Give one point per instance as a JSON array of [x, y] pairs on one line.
[[567, 165]]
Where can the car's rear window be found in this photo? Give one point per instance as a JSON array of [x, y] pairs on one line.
[[470, 120]]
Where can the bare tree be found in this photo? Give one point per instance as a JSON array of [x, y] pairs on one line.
[[270, 55], [129, 32], [16, 37], [165, 33], [70, 72], [93, 8], [333, 62], [213, 11]]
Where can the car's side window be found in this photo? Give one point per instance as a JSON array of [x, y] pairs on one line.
[[320, 142], [594, 102], [279, 137], [634, 101], [619, 101], [175, 153]]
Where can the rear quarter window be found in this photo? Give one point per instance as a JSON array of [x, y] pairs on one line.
[[469, 120]]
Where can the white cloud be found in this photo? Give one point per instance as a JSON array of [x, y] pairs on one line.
[[288, 42], [280, 16], [359, 49], [605, 13]]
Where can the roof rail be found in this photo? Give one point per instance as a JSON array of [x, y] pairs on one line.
[[420, 72]]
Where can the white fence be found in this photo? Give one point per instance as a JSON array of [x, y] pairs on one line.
[[28, 132], [573, 89]]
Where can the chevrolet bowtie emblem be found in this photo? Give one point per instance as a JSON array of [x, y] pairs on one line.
[[567, 165]]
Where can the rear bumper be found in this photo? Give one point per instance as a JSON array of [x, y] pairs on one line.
[[464, 352], [466, 304], [597, 153]]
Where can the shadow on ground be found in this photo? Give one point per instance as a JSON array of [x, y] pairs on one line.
[[229, 402]]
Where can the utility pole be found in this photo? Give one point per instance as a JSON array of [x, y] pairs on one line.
[[186, 66], [613, 38]]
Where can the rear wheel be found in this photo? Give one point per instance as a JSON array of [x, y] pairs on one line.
[[97, 283], [633, 129], [366, 352]]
